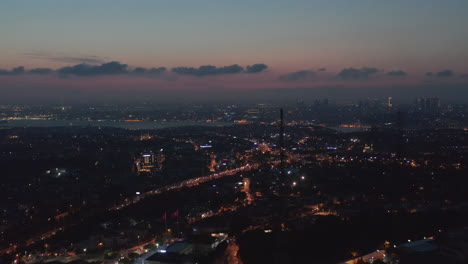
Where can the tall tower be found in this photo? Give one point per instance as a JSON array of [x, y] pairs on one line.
[[281, 143], [280, 205], [282, 180]]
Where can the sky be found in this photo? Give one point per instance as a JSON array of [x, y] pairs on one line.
[[87, 50]]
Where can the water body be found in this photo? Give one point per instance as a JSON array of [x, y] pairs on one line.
[[131, 125], [107, 123]]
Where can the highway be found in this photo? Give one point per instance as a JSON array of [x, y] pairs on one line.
[[379, 254], [130, 201], [183, 184], [137, 198], [142, 258]]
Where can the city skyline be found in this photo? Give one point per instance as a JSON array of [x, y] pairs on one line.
[[233, 132]]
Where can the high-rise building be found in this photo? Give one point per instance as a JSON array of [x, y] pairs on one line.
[[428, 104], [390, 102]]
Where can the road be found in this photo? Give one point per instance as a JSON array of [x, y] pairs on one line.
[[32, 241], [135, 248], [142, 258], [183, 184], [130, 201], [379, 254]]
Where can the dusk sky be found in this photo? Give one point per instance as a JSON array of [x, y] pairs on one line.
[[159, 46]]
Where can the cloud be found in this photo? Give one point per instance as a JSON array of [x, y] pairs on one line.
[[140, 70], [208, 70], [86, 59], [322, 69], [115, 68], [14, 71], [256, 68], [157, 70], [356, 74], [213, 70], [445, 73], [464, 75], [110, 68], [397, 74], [151, 71], [442, 74], [295, 76], [41, 71], [18, 70]]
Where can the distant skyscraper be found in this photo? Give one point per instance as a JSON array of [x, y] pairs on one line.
[[428, 104], [390, 102]]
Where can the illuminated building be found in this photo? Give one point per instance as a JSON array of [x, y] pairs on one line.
[[428, 104], [148, 162], [148, 159]]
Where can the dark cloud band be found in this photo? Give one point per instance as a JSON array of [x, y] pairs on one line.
[[117, 68], [442, 74], [14, 71], [397, 74], [110, 68], [152, 71], [208, 70], [357, 74], [256, 68], [445, 73], [299, 75]]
